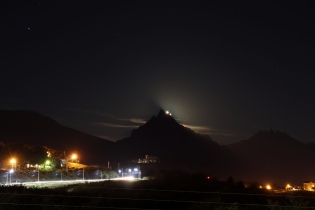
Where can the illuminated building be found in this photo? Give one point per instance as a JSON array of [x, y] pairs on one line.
[[309, 186], [148, 159]]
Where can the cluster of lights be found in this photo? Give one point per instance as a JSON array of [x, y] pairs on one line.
[[168, 113], [268, 187], [129, 170]]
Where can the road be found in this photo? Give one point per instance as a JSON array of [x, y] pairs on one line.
[[66, 182]]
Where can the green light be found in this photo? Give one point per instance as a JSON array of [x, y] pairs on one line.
[[47, 162]]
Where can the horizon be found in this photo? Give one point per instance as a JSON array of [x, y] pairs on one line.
[[184, 125]]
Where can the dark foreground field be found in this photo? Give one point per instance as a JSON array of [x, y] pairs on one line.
[[169, 190]]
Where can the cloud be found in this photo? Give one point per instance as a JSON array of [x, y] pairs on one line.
[[108, 115], [134, 120], [198, 127], [212, 131], [113, 125]]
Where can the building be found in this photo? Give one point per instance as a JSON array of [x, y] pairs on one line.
[[309, 186], [75, 165], [149, 159]]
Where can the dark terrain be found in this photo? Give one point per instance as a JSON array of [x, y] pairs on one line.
[[266, 157]]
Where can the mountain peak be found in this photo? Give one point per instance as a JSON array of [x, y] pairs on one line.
[[163, 114]]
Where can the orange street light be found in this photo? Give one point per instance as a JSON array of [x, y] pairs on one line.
[[74, 156], [13, 162]]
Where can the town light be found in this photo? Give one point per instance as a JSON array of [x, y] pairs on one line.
[[13, 162], [268, 187], [73, 157]]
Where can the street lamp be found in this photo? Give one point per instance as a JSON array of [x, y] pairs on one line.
[[70, 159], [74, 156], [37, 172], [13, 163], [129, 171], [11, 171], [8, 178], [137, 171], [122, 172]]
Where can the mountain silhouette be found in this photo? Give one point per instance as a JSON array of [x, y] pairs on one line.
[[175, 145], [33, 128], [266, 157], [273, 157]]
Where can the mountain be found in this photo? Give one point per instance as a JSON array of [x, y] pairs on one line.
[[266, 157], [273, 157], [32, 128], [175, 145]]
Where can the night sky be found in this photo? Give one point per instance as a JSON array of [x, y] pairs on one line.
[[224, 68]]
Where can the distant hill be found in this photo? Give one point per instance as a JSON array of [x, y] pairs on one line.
[[32, 128], [270, 156], [175, 145], [266, 157]]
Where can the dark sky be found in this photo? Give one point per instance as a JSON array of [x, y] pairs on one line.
[[225, 68]]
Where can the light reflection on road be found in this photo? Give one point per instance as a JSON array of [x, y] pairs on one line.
[[71, 181]]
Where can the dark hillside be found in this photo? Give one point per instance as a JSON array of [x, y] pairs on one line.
[[273, 157], [175, 145], [32, 128]]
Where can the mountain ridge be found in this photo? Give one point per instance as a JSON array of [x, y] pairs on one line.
[[33, 128], [267, 156]]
